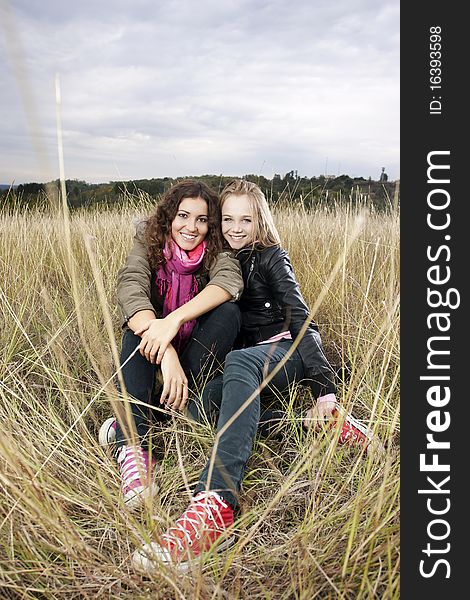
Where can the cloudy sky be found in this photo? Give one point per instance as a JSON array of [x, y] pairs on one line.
[[155, 88]]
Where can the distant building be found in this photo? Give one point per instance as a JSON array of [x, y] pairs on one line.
[[383, 175]]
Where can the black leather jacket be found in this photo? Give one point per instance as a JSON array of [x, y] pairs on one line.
[[271, 303]]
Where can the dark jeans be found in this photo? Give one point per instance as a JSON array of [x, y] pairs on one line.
[[243, 373], [212, 338]]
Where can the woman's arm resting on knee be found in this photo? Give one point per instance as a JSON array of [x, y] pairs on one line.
[[140, 321], [225, 284], [157, 334], [140, 324]]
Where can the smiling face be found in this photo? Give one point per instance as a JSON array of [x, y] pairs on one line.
[[237, 221], [190, 225]]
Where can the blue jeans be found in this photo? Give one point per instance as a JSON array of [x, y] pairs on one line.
[[211, 340], [244, 371]]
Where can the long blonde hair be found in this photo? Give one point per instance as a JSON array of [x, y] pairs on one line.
[[264, 230]]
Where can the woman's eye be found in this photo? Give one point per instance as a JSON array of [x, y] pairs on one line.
[[226, 219], [203, 219], [182, 215], [247, 220]]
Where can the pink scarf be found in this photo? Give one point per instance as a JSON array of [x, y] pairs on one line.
[[177, 284]]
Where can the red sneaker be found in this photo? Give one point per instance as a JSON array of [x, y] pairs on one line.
[[355, 433], [203, 523]]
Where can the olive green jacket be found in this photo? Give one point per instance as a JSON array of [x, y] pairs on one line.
[[136, 288]]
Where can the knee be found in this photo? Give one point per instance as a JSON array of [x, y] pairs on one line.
[[230, 313], [233, 358], [239, 364]]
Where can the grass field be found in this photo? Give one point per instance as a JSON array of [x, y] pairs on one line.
[[317, 520]]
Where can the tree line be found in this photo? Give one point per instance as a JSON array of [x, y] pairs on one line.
[[310, 191]]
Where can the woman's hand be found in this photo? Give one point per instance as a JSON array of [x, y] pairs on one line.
[[175, 383], [323, 410], [156, 336]]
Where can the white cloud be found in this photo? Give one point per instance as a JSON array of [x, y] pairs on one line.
[[181, 88]]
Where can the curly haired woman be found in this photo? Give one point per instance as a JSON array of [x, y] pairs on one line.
[[176, 292]]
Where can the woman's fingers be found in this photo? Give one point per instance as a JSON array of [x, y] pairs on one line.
[[175, 394], [177, 398], [165, 391], [156, 337], [152, 350], [168, 393], [143, 347], [311, 418], [182, 395], [152, 353], [184, 400], [172, 395], [160, 352], [325, 409], [149, 349], [316, 416], [141, 330]]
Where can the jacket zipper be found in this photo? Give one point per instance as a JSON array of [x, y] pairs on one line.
[[252, 265]]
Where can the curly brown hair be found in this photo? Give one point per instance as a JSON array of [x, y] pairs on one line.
[[158, 225]]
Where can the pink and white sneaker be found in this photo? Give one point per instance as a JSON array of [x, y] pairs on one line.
[[206, 521], [138, 471], [107, 433], [355, 433]]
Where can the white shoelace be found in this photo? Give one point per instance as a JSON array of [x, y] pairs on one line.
[[202, 507], [135, 467]]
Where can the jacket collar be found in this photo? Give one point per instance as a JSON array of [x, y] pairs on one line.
[[248, 250]]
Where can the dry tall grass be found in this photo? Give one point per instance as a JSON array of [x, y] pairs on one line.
[[317, 521]]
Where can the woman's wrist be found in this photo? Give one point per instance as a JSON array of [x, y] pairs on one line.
[[177, 317], [170, 352], [140, 319]]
